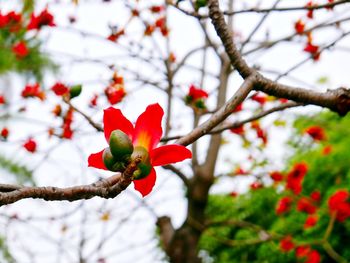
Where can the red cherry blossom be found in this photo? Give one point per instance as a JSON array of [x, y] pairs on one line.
[[299, 27], [60, 89], [316, 132], [20, 49], [4, 133], [43, 19], [30, 145], [284, 205], [33, 90], [310, 221], [146, 133], [286, 244]]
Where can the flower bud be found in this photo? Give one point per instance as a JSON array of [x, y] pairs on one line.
[[120, 145], [111, 163], [144, 167]]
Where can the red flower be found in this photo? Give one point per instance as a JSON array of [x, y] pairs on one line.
[[302, 251], [313, 50], [30, 145], [12, 20], [4, 133], [238, 108], [115, 94], [310, 13], [295, 177], [115, 36], [330, 2], [93, 101], [195, 97], [157, 8], [310, 255], [259, 98], [305, 205], [233, 194], [33, 91], [60, 89], [43, 19], [284, 205], [256, 185], [316, 196], [2, 99], [276, 176], [3, 20], [197, 93], [313, 257], [299, 27], [316, 132], [327, 150], [146, 133], [240, 171], [310, 221], [238, 130], [339, 203], [20, 49], [66, 126], [286, 244]]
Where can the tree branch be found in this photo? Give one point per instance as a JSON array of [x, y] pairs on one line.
[[107, 188]]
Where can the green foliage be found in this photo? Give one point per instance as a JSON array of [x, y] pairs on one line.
[[35, 63], [250, 230], [22, 173]]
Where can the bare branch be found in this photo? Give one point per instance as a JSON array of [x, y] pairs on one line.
[[107, 188]]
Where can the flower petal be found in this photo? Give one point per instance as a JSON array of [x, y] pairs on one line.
[[148, 127], [95, 160], [145, 185], [113, 119], [171, 153]]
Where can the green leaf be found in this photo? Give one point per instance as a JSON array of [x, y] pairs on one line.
[[75, 91]]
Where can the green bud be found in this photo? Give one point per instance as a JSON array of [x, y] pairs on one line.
[[200, 3], [108, 159], [111, 163], [75, 91], [144, 167], [120, 145]]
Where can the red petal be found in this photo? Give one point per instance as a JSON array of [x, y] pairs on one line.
[[148, 127], [95, 160], [113, 119], [172, 153], [145, 185]]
